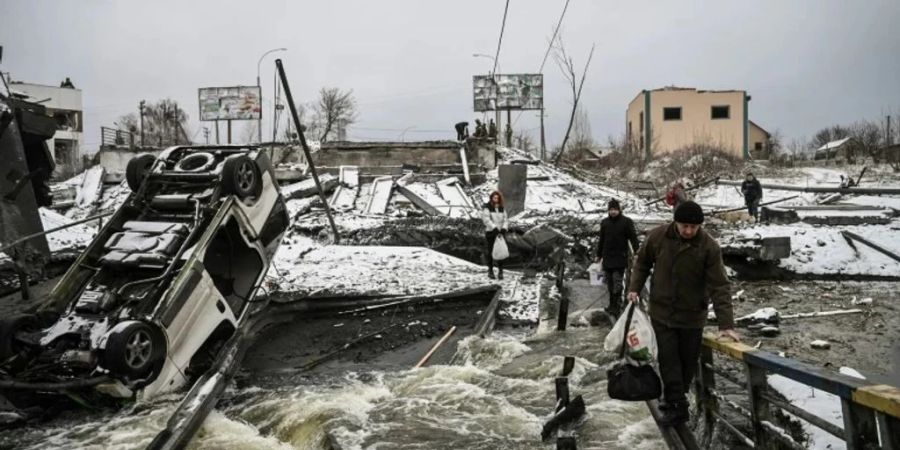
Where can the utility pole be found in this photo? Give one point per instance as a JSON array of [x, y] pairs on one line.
[[206, 134], [165, 124], [890, 136], [141, 109], [176, 126], [217, 132], [543, 142]]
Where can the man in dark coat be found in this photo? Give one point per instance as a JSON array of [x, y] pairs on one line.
[[462, 131], [616, 232], [753, 193], [492, 129], [687, 271]]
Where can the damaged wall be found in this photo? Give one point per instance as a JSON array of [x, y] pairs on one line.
[[385, 154]]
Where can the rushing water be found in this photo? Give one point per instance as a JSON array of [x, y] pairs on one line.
[[497, 398]]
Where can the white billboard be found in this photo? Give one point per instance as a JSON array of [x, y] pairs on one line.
[[230, 103], [514, 91]]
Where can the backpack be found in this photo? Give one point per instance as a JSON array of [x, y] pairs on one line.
[[670, 198]]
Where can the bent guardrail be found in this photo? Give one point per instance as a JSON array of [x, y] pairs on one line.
[[871, 412]]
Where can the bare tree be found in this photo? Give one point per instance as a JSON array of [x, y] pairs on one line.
[[567, 66], [867, 138], [582, 137], [522, 140], [335, 111], [164, 124]]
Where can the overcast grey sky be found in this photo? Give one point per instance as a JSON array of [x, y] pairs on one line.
[[807, 64]]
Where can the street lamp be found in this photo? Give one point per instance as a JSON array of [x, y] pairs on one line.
[[403, 134], [259, 86], [482, 55]]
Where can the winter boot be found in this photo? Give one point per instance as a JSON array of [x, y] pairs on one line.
[[674, 414], [491, 273], [500, 274]]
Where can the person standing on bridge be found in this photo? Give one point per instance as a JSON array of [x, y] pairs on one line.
[[616, 232], [462, 131], [495, 222], [687, 271]]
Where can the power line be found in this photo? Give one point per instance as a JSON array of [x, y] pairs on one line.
[[555, 32], [500, 41], [549, 47]]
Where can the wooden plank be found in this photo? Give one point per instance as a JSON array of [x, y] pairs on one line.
[[879, 397], [856, 237], [820, 189], [735, 350]]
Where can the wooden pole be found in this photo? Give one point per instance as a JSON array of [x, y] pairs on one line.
[[306, 151], [435, 347]]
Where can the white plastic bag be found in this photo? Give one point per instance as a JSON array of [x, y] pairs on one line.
[[501, 251], [641, 340], [595, 271]]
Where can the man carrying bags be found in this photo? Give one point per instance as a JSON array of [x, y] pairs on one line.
[[687, 272]]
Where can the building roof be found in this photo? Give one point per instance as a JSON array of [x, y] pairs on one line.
[[834, 144], [761, 128]]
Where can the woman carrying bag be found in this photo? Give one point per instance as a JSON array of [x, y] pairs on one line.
[[496, 224]]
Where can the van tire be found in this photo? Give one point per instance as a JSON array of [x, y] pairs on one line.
[[137, 169], [133, 349], [241, 177]]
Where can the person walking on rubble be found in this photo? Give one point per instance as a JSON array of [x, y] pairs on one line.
[[677, 195], [496, 222], [687, 271], [753, 193], [616, 232], [462, 131]]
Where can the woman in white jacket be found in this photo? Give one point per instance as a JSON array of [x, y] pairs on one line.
[[495, 222]]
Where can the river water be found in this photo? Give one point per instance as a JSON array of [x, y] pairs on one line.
[[498, 397]]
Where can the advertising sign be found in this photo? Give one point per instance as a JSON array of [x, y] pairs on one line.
[[515, 91], [230, 103]]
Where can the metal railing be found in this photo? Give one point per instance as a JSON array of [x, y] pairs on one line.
[[871, 412], [117, 138]]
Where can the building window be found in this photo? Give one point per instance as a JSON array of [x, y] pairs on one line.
[[720, 112], [672, 113], [758, 146]]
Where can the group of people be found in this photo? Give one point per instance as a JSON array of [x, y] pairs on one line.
[[685, 269], [482, 131]]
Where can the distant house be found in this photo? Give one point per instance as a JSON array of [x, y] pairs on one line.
[[838, 149], [64, 105], [664, 120]]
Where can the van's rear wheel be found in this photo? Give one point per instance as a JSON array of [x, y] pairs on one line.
[[133, 349], [137, 169], [241, 177]]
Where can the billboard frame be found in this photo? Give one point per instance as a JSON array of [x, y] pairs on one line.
[[520, 91], [240, 89]]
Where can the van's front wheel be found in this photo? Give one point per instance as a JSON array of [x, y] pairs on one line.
[[133, 349]]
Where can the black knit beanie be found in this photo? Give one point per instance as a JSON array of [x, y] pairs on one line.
[[614, 204], [689, 212]]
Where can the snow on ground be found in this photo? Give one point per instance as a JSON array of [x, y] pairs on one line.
[[823, 250], [332, 270], [822, 404], [75, 237]]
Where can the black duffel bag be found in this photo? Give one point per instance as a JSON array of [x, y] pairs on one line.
[[629, 382]]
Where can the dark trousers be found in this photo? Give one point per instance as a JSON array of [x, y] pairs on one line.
[[461, 133], [679, 352], [752, 208], [490, 237], [614, 285]]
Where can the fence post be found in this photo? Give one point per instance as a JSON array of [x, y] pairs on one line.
[[890, 431], [705, 383], [759, 406], [860, 431]]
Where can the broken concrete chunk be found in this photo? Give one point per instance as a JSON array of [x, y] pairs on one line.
[[769, 331], [307, 187], [763, 315], [862, 301], [819, 344]]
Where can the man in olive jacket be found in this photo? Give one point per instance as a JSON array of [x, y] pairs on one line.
[[687, 273]]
